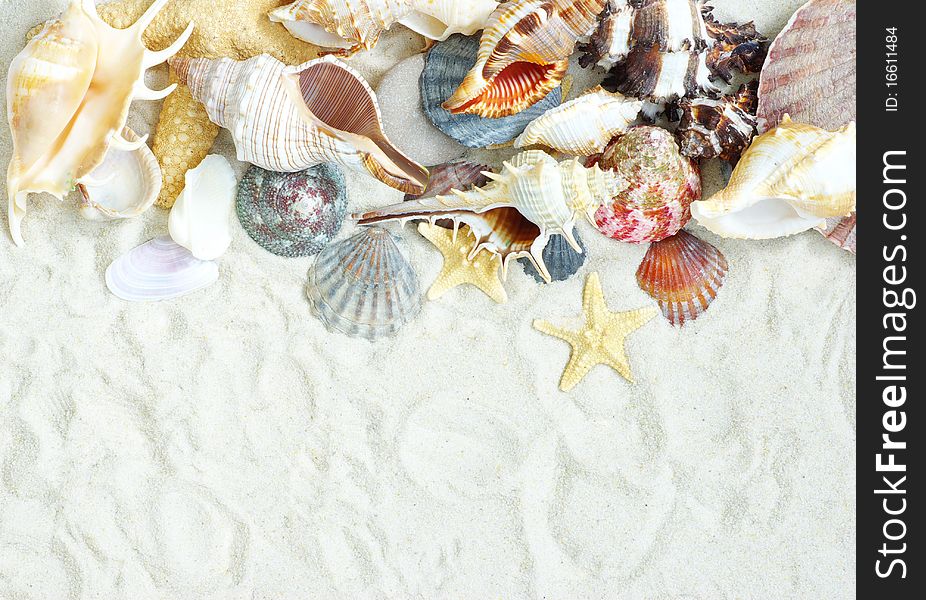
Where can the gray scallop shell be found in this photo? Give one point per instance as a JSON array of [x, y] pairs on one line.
[[561, 259], [363, 286], [446, 67]]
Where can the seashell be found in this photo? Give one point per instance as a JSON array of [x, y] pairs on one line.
[[125, 184], [444, 71], [662, 185], [68, 97], [683, 274], [840, 231], [293, 214], [532, 199], [363, 286], [661, 76], [717, 128], [159, 270], [791, 179], [200, 220], [810, 72], [523, 55], [288, 119], [736, 48], [440, 19], [349, 25], [458, 175], [561, 259], [583, 126]]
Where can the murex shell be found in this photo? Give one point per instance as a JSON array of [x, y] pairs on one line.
[[363, 286], [523, 55], [288, 119], [68, 97], [352, 25], [583, 126], [293, 214], [160, 269], [661, 186], [721, 128], [532, 199], [200, 220], [446, 66], [791, 179]]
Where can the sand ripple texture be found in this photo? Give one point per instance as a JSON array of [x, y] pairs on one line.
[[225, 446]]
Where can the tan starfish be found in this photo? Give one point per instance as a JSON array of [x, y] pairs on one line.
[[237, 29], [480, 270], [601, 340]]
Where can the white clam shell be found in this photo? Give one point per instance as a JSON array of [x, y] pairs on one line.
[[200, 220], [159, 270], [125, 185]]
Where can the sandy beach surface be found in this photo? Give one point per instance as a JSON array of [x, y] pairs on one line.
[[225, 445]]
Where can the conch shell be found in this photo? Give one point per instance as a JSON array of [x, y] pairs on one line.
[[68, 97], [439, 19], [523, 55], [791, 179], [533, 198], [583, 126], [287, 119]]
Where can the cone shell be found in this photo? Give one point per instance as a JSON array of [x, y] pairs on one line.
[[158, 270], [125, 185], [363, 286], [791, 179], [349, 25], [288, 119], [583, 126], [523, 55], [683, 274], [661, 186]]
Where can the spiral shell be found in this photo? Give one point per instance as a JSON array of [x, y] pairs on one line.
[[288, 119], [440, 19], [349, 25], [717, 128]]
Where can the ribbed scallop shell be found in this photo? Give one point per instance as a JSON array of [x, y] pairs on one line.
[[363, 286], [583, 126], [683, 274], [349, 25], [562, 260], [160, 269], [717, 128], [291, 118], [68, 98], [523, 55], [532, 199], [791, 179], [446, 66]]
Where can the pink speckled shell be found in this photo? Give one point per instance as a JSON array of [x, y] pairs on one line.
[[663, 184]]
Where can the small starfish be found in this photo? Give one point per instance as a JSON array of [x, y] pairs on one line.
[[601, 340], [480, 271]]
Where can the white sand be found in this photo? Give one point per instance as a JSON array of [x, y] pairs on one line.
[[225, 445]]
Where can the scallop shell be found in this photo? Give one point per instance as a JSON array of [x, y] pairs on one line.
[[293, 214], [363, 286], [200, 220], [840, 231], [444, 71], [583, 126], [68, 97], [717, 128], [810, 71], [125, 184], [288, 119], [532, 199], [662, 185], [348, 25], [561, 259], [683, 274], [523, 55], [159, 270], [791, 179]]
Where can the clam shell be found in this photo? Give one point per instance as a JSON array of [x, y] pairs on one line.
[[446, 67], [561, 259], [683, 274], [293, 214], [791, 179], [125, 184], [661, 186], [200, 220], [364, 286], [159, 270]]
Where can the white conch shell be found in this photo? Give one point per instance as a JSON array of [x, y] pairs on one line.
[[791, 179], [583, 126], [200, 220], [439, 19], [287, 119], [533, 198], [68, 97], [125, 184]]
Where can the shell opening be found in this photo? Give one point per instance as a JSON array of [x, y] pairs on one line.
[[767, 218], [517, 87]]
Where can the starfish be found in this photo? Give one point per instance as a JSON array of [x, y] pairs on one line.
[[237, 29], [601, 340], [459, 268]]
